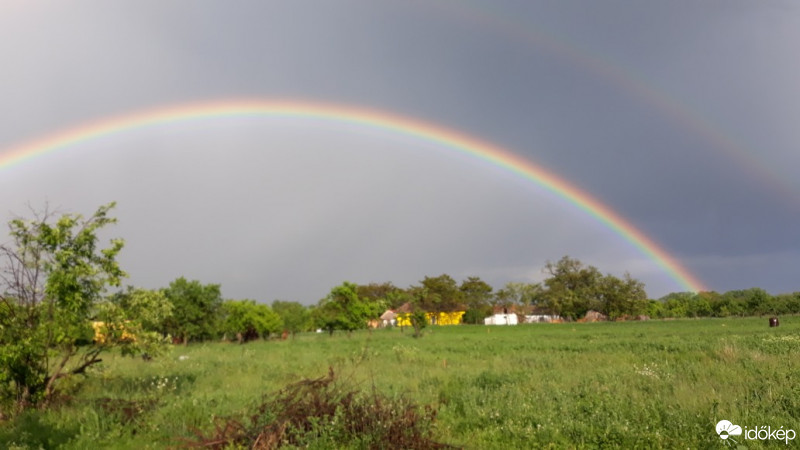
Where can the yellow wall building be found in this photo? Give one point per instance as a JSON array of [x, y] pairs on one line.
[[441, 318]]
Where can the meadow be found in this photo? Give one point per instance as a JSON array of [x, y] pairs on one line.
[[656, 384]]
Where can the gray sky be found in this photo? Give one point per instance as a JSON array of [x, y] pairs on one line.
[[677, 115]]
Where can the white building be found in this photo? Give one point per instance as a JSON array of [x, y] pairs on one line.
[[501, 319]]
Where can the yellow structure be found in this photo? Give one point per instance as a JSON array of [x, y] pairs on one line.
[[441, 318]]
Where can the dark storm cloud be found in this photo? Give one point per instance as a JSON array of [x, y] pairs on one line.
[[609, 95]]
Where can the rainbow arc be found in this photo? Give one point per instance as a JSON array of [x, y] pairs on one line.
[[426, 131]]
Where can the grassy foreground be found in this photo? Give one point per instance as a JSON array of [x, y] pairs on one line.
[[658, 384]]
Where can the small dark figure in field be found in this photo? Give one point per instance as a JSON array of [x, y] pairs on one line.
[[773, 322]]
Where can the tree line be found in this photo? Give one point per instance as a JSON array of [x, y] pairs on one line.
[[735, 303], [570, 290], [61, 304]]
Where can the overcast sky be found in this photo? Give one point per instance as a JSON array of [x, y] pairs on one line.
[[680, 116]]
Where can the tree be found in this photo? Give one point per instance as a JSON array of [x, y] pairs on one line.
[[475, 316], [477, 295], [378, 292], [380, 295], [148, 307], [133, 318], [439, 294], [296, 317], [622, 297], [656, 309], [735, 303], [54, 276], [344, 310], [248, 320], [759, 301], [787, 303], [724, 305], [195, 310], [475, 292], [522, 294], [419, 320], [702, 304], [572, 288], [678, 304]]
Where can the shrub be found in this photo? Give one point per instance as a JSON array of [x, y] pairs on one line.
[[325, 411]]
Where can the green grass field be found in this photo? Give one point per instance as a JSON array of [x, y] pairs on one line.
[[658, 384]]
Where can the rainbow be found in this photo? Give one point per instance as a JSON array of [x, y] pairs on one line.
[[631, 83], [370, 118]]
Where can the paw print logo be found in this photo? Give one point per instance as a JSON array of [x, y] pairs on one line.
[[726, 430]]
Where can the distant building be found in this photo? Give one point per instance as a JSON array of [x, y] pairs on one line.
[[501, 319], [513, 315], [389, 318], [403, 317]]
